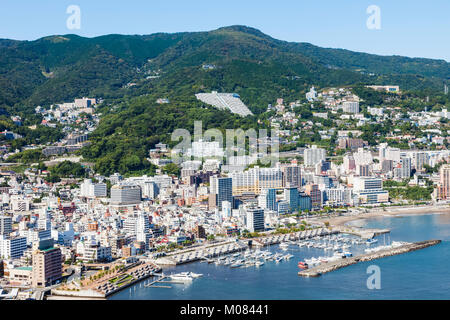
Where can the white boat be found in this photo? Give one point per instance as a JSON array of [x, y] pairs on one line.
[[370, 241], [227, 262], [347, 254], [181, 277], [195, 275], [236, 265], [191, 274], [284, 245]]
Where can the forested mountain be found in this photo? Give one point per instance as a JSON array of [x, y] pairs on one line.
[[132, 71], [57, 68]]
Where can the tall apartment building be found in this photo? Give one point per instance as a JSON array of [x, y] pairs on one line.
[[419, 160], [12, 248], [268, 199], [349, 163], [125, 194], [135, 223], [291, 196], [444, 185], [363, 170], [312, 190], [292, 176], [313, 155], [93, 190], [405, 171], [19, 203], [5, 225], [387, 166], [350, 106], [370, 190], [338, 196], [304, 202], [47, 264], [255, 219], [256, 179], [222, 188]]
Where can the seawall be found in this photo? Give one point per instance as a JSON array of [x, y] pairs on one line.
[[331, 266]]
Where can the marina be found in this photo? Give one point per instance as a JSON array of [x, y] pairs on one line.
[[206, 254], [381, 252], [398, 280]]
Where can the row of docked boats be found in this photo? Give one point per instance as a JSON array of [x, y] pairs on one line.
[[250, 259], [185, 276], [327, 243], [313, 262]]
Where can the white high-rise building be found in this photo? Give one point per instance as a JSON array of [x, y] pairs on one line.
[[350, 106], [255, 219], [393, 154], [125, 194], [405, 171], [226, 209], [313, 156], [362, 157], [93, 190], [256, 179]]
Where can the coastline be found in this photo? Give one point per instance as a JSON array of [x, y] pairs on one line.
[[373, 213]]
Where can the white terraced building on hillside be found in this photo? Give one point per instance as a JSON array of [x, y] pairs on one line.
[[227, 101]]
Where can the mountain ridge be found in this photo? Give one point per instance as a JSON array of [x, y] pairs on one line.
[[56, 68]]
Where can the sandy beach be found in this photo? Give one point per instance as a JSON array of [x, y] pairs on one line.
[[392, 211]]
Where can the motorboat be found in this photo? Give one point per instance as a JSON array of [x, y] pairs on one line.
[[259, 263], [284, 246], [191, 274], [181, 277]]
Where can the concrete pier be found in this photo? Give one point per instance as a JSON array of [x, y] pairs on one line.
[[331, 266]]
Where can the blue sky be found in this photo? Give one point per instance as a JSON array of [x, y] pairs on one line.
[[413, 28]]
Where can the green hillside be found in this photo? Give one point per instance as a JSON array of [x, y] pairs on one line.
[[254, 65]]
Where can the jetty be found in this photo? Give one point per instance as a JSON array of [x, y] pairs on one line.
[[294, 236], [331, 266]]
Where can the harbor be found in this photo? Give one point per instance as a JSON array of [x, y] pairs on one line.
[[220, 281], [395, 249], [206, 253], [322, 250]]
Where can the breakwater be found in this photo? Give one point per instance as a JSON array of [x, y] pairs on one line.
[[331, 266]]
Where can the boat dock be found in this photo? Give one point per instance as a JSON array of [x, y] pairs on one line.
[[361, 232], [160, 280], [215, 250], [300, 235], [331, 266], [202, 253]]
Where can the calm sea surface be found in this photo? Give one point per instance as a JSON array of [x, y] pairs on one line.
[[423, 274]]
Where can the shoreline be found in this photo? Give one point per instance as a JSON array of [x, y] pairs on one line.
[[374, 213]]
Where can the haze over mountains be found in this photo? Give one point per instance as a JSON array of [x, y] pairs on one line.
[[59, 68]]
